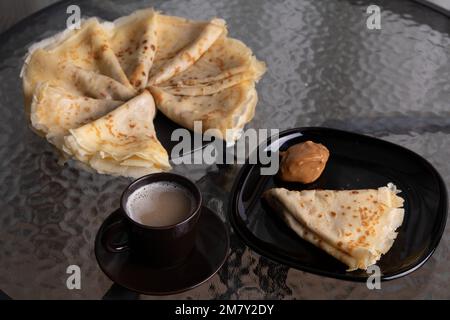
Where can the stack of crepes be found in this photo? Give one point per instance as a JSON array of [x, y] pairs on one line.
[[92, 92]]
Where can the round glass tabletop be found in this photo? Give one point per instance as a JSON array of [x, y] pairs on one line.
[[325, 68]]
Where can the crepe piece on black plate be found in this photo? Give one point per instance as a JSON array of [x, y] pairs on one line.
[[354, 226]]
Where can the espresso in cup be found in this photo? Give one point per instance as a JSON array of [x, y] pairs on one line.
[[160, 204], [159, 214]]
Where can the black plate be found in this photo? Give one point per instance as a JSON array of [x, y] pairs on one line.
[[208, 256], [356, 162]]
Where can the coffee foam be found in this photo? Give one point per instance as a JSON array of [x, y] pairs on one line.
[[146, 204]]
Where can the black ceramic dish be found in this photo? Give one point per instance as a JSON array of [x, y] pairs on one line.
[[356, 162], [209, 254]]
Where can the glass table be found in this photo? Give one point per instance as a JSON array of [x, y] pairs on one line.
[[325, 68]]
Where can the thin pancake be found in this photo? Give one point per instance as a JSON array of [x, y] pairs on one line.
[[197, 86], [224, 58], [354, 226], [180, 44], [61, 58], [123, 142], [54, 111], [226, 111], [134, 41]]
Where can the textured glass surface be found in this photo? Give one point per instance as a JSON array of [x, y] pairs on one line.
[[325, 68]]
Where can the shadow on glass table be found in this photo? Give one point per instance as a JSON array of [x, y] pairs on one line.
[[438, 5], [117, 292], [4, 296]]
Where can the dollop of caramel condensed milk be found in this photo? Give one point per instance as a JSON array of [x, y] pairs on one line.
[[303, 162]]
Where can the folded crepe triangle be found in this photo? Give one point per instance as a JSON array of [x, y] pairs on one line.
[[181, 43], [134, 41], [122, 142], [354, 226], [75, 59], [228, 62], [54, 111], [225, 112]]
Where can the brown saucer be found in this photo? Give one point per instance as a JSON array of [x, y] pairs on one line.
[[210, 252]]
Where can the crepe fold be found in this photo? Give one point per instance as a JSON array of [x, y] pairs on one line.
[[80, 61], [54, 111], [354, 226], [228, 62], [134, 41], [193, 68], [181, 44], [122, 142], [223, 114]]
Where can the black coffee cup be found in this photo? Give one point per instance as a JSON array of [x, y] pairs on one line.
[[161, 246]]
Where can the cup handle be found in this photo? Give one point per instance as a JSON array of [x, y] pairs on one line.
[[110, 232]]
